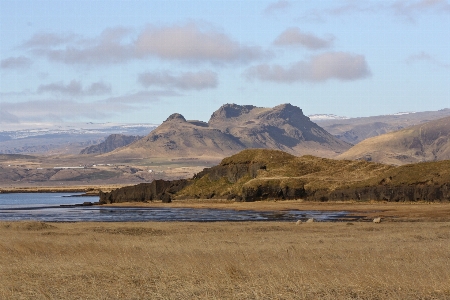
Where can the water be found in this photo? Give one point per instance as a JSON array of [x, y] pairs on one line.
[[47, 207]]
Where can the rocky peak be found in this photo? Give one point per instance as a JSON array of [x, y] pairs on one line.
[[287, 112], [175, 117], [230, 111]]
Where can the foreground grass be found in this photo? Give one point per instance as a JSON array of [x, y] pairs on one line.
[[407, 260]]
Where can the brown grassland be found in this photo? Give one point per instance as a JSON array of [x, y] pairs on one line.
[[409, 259]]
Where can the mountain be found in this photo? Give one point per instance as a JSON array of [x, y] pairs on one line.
[[355, 130], [178, 137], [233, 128], [111, 143], [61, 138], [258, 174], [424, 142]]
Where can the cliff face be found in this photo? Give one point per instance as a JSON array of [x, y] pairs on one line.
[[260, 174]]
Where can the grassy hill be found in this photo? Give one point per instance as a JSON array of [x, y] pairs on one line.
[[258, 174]]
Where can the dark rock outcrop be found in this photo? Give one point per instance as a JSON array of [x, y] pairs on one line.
[[386, 193], [111, 143], [265, 192], [156, 190]]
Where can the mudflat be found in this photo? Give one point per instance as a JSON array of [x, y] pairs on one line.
[[223, 260]]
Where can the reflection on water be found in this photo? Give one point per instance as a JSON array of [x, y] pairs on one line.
[[51, 211]]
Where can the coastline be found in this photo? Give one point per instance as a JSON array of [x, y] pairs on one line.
[[388, 211], [90, 190]]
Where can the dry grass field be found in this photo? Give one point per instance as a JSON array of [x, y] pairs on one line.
[[246, 260]]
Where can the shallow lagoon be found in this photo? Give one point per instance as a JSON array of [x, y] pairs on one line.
[[47, 207]]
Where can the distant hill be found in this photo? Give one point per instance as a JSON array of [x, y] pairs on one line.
[[233, 128], [425, 142], [355, 130], [111, 143], [258, 174]]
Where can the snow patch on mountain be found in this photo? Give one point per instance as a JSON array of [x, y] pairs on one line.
[[26, 130], [318, 117]]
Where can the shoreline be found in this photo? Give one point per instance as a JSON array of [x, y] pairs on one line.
[[90, 190], [388, 211]]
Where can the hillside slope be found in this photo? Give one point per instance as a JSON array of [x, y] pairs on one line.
[[355, 130], [425, 142], [233, 128]]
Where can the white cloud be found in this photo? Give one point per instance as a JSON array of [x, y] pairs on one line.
[[332, 65], [57, 110], [185, 81], [6, 117], [15, 62], [44, 39], [423, 56], [117, 45], [276, 6], [141, 98], [74, 88], [105, 49], [408, 7], [190, 43], [295, 37]]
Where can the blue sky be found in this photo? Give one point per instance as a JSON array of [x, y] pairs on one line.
[[140, 61]]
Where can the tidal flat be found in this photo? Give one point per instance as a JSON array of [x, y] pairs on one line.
[[225, 260]]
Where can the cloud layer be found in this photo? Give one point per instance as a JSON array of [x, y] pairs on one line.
[[423, 56], [15, 62], [6, 117], [185, 81], [332, 65], [116, 45], [57, 110], [294, 37], [74, 88], [276, 6]]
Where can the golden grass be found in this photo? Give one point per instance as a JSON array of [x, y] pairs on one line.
[[407, 260]]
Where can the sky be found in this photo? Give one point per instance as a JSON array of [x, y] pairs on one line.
[[140, 61]]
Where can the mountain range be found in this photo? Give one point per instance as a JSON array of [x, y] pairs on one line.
[[65, 138], [233, 128]]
